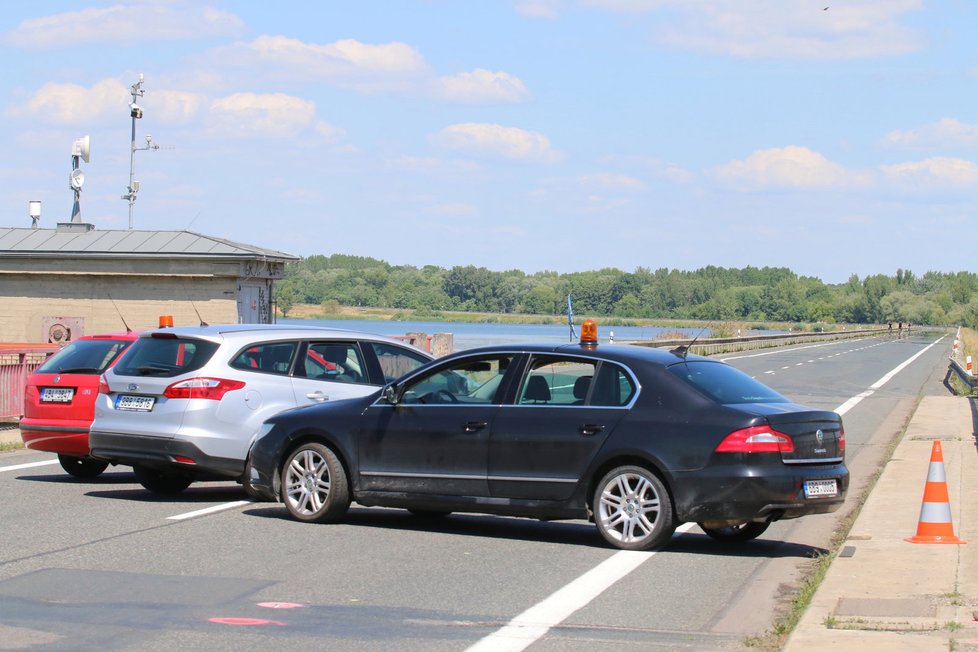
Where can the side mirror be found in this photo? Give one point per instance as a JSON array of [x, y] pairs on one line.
[[390, 394]]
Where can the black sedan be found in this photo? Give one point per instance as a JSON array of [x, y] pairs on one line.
[[636, 439]]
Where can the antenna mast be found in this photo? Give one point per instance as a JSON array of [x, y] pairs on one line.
[[135, 112]]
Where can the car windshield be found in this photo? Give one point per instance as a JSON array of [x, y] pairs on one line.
[[165, 356], [84, 357], [724, 384]]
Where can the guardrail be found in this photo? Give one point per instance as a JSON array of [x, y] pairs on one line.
[[714, 346], [962, 373], [17, 362]]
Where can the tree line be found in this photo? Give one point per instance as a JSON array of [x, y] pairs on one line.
[[708, 293]]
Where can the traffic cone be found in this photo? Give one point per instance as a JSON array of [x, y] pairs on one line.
[[934, 525]]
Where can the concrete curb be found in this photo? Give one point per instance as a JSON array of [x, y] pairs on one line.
[[884, 592]]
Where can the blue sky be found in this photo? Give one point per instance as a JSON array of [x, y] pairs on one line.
[[561, 135]]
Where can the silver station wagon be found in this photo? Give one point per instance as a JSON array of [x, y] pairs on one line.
[[184, 404]]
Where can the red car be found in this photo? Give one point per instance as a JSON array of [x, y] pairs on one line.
[[59, 404]]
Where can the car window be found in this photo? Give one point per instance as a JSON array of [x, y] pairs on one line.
[[268, 357], [165, 356], [556, 382], [467, 381], [613, 387], [340, 362], [395, 361], [84, 357], [724, 384]]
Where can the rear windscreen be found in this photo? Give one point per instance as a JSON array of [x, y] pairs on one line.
[[84, 357], [165, 356], [724, 384]]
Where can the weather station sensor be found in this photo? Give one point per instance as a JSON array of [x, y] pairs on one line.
[[135, 113], [34, 211]]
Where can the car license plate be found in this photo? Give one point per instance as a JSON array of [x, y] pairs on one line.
[[820, 488], [57, 394], [134, 403]]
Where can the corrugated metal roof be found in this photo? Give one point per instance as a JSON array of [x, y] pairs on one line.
[[128, 243]]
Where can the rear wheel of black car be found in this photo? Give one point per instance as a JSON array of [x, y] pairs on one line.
[[632, 509], [735, 533], [314, 485], [82, 467], [162, 482]]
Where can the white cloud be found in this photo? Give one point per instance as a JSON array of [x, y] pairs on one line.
[[932, 173], [481, 86], [611, 180], [947, 132], [72, 104], [173, 106], [329, 133], [775, 28], [537, 8], [365, 66], [494, 139], [247, 115], [133, 23], [788, 167]]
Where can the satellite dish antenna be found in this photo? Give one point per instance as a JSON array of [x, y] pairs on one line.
[[83, 148], [76, 179]]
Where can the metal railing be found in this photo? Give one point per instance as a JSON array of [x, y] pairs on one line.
[[17, 362], [715, 346]]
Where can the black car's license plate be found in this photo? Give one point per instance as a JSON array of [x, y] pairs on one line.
[[821, 488]]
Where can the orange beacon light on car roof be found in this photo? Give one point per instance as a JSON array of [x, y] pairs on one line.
[[589, 334], [166, 321]]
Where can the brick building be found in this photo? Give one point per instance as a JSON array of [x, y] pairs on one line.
[[57, 284]]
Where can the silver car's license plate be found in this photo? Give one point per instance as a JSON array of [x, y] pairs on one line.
[[57, 394], [134, 403], [820, 488]]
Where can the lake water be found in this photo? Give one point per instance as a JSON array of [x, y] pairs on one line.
[[469, 335]]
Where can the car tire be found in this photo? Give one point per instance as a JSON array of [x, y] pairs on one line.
[[633, 509], [736, 533], [314, 485], [82, 467], [162, 482]]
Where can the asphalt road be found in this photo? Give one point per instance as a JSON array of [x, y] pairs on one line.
[[102, 564]]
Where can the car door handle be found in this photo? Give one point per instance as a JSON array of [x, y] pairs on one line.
[[317, 396], [475, 426], [591, 428]]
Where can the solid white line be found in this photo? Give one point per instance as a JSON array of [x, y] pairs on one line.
[[16, 467], [852, 402], [532, 624], [210, 510]]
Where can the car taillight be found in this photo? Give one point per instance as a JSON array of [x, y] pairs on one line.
[[208, 388], [842, 440], [103, 385], [757, 439]]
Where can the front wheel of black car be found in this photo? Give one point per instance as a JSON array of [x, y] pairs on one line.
[[314, 485], [82, 467], [735, 533], [632, 509], [162, 482]]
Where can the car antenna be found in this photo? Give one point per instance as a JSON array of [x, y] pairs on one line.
[[683, 349], [570, 319], [128, 330], [202, 322]]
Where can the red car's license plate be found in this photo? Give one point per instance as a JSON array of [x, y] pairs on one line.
[[57, 394]]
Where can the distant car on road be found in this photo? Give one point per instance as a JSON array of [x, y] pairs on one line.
[[636, 439], [59, 401], [184, 403]]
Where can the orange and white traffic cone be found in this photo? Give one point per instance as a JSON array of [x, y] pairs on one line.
[[935, 525]]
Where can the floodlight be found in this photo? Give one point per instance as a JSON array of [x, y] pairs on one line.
[[34, 208]]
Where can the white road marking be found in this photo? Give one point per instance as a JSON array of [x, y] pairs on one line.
[[852, 402], [210, 510], [17, 467], [779, 350], [532, 624]]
